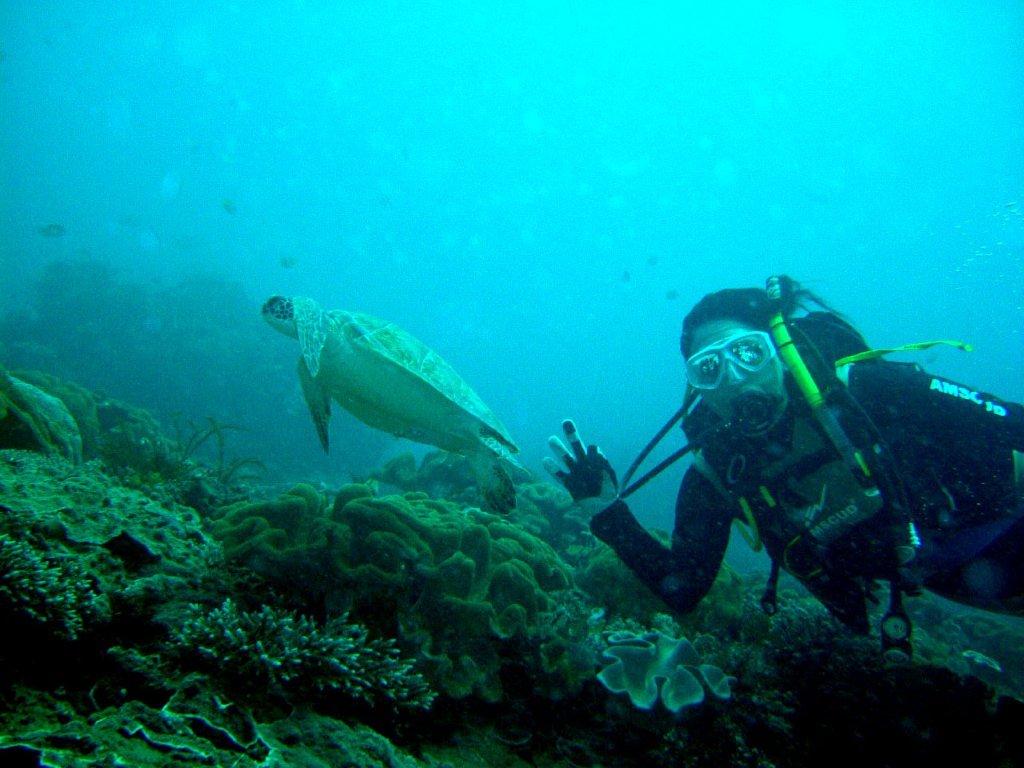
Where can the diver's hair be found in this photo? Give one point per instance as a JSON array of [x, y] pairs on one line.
[[750, 306]]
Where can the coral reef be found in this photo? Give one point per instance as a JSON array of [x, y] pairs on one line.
[[80, 402], [440, 475], [548, 511], [459, 582], [33, 420], [227, 630], [607, 582], [54, 417], [273, 649], [191, 468], [76, 520], [291, 541], [35, 589], [655, 665], [193, 728], [453, 583], [116, 578]]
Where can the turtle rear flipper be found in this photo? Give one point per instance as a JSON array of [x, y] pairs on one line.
[[495, 485], [318, 399]]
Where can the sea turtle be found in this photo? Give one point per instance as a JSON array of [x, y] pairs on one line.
[[392, 381]]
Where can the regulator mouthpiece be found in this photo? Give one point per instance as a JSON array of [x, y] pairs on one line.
[[755, 412]]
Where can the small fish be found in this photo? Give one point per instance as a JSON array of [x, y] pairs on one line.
[[979, 658], [228, 205], [672, 294], [652, 261], [625, 276], [52, 230], [288, 262]]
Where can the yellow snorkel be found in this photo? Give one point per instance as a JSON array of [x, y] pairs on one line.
[[860, 505], [797, 368]]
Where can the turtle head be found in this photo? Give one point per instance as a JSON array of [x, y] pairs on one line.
[[279, 311]]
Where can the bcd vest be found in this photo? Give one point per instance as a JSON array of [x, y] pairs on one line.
[[803, 504]]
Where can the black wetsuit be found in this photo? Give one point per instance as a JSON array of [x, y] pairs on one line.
[[953, 448]]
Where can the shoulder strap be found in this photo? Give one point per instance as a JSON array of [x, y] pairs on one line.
[[748, 524]]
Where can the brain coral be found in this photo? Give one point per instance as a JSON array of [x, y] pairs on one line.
[[458, 582], [453, 583]]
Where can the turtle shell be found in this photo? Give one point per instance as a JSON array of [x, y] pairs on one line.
[[392, 346]]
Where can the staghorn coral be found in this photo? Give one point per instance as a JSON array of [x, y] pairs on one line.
[[291, 655], [58, 597]]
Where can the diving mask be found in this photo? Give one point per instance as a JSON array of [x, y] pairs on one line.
[[748, 352]]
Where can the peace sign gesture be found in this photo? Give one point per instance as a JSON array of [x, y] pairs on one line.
[[583, 473]]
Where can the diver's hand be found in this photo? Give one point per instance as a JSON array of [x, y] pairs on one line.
[[586, 473]]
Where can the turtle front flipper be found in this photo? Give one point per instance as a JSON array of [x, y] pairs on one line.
[[311, 325], [318, 399], [496, 487]]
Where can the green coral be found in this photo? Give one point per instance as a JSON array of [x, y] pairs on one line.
[[33, 420], [609, 583], [193, 728], [549, 512], [59, 597], [75, 546], [280, 651], [459, 581], [132, 443], [440, 475], [129, 440], [453, 583], [136, 551], [291, 541], [80, 402]]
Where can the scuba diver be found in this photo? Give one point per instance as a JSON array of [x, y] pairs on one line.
[[848, 469]]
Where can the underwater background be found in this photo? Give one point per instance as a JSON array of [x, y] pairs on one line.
[[539, 192]]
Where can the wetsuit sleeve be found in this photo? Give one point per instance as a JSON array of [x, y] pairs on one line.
[[683, 573], [906, 392]]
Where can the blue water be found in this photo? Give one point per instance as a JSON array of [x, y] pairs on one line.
[[537, 190]]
